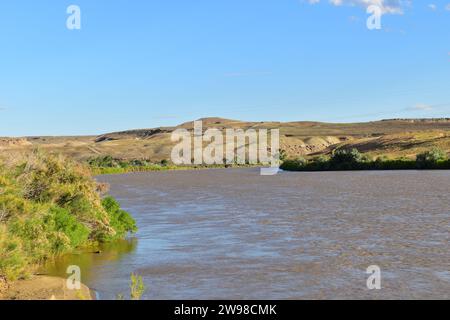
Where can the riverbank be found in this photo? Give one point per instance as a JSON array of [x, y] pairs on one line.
[[43, 288], [353, 160], [109, 165]]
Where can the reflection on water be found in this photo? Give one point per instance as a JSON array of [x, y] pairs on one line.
[[234, 234], [93, 262]]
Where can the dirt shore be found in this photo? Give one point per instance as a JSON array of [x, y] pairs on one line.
[[42, 288]]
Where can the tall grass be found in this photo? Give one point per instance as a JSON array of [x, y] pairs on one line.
[[137, 287]]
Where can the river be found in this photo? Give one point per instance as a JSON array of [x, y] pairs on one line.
[[233, 234]]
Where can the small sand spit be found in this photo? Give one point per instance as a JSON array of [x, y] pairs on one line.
[[42, 288]]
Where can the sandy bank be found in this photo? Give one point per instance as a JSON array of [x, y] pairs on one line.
[[43, 288]]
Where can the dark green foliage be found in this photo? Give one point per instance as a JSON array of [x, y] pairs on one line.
[[294, 164], [104, 161], [120, 220], [354, 160], [110, 162], [319, 163], [135, 163], [66, 223], [110, 165], [431, 159], [345, 159]]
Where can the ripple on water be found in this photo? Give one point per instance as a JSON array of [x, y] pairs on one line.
[[236, 235]]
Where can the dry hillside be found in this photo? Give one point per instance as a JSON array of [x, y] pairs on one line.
[[394, 138]]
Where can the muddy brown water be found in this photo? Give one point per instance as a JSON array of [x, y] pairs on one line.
[[233, 234]]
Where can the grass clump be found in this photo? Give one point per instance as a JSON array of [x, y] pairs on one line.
[[50, 205], [137, 287]]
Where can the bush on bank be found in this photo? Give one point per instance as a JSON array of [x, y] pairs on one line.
[[342, 159], [110, 165], [50, 205], [431, 159]]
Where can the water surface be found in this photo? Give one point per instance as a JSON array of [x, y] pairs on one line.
[[233, 234]]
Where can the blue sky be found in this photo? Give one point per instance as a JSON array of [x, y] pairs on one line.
[[140, 64]]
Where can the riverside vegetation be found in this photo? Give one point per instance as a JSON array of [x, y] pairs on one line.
[[352, 159], [340, 159], [50, 205], [109, 165]]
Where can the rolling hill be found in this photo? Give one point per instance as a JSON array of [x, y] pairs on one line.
[[393, 138]]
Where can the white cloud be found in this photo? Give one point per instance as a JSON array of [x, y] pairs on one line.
[[422, 107], [432, 6], [386, 6], [447, 7], [427, 107], [336, 2]]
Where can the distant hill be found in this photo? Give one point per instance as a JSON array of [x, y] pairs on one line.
[[391, 137], [420, 120]]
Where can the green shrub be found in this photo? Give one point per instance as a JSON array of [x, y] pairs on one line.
[[430, 159], [321, 162], [12, 258], [343, 156], [63, 221], [50, 205], [294, 164], [119, 219], [137, 163], [353, 160], [104, 161]]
